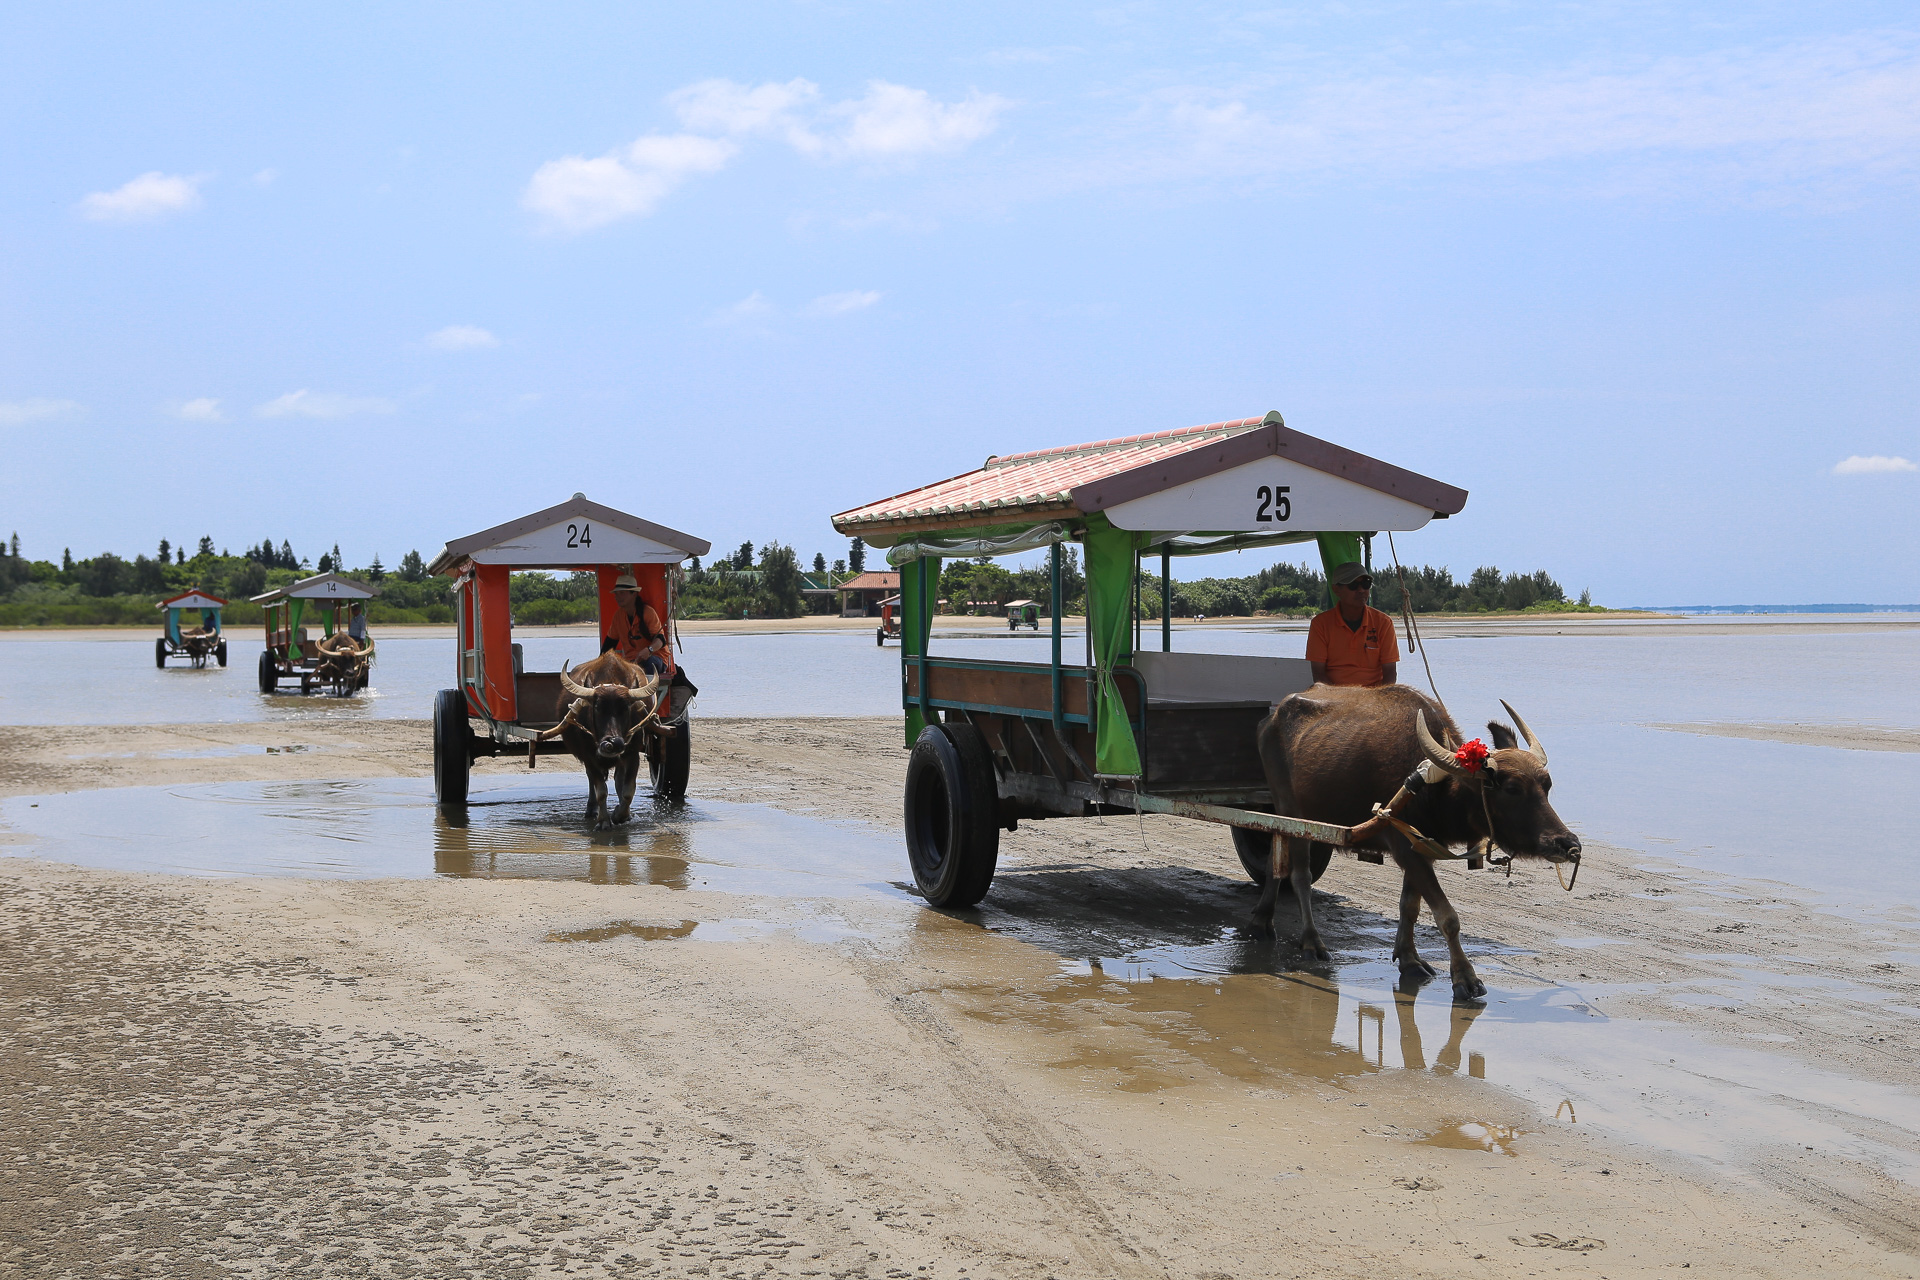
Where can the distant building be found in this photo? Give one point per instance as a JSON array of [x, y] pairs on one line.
[[861, 595]]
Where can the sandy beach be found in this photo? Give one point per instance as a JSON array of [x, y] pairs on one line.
[[438, 1076]]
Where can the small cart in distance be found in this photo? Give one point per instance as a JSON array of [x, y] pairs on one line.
[[514, 705], [889, 628], [196, 644], [334, 661], [1023, 613], [1129, 730]]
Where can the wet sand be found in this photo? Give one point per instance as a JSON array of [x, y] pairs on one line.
[[270, 1076]]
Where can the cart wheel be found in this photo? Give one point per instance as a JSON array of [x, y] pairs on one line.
[[452, 747], [1256, 854], [160, 652], [952, 815], [670, 768], [269, 674], [880, 636], [220, 653]]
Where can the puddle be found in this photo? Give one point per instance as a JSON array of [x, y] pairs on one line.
[[523, 828], [629, 929], [1474, 1135]]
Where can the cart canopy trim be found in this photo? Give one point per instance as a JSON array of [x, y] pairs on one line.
[[322, 586], [194, 599], [1163, 472], [577, 533]]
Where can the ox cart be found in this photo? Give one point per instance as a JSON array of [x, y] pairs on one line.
[[1128, 729], [341, 660], [889, 628], [195, 644], [517, 709], [1023, 613]]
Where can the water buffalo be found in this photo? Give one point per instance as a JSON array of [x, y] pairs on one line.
[[602, 714], [1332, 753]]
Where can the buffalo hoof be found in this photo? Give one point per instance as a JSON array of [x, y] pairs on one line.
[[1262, 928], [1312, 946], [619, 818], [1415, 967], [1469, 990]]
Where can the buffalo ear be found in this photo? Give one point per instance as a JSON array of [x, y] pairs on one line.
[[1503, 738]]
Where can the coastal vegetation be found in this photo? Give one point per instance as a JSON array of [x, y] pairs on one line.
[[769, 581]]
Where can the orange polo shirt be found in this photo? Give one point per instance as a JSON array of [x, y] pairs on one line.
[[630, 634], [1352, 655]]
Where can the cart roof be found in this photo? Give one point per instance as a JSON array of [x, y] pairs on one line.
[[1020, 604], [575, 534], [872, 581], [321, 586], [194, 599], [1196, 479]]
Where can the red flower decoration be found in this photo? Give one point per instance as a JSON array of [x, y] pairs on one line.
[[1472, 756]]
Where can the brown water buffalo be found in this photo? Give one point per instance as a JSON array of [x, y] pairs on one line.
[[1332, 753], [602, 714]]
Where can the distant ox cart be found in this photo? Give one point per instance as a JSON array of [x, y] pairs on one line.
[[340, 660], [195, 644]]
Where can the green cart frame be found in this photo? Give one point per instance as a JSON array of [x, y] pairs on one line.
[[1127, 729]]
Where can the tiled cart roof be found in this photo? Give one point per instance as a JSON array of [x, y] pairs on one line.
[[1077, 480]]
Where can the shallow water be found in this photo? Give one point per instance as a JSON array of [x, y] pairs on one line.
[[1830, 821]]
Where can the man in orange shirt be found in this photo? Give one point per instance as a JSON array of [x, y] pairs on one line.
[[635, 628], [1353, 643]]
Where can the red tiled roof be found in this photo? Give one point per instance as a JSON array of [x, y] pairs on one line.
[[872, 582], [1035, 485]]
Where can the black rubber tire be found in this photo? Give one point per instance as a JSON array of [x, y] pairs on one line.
[[1255, 850], [220, 653], [452, 748], [880, 636], [269, 673], [669, 771], [160, 652], [952, 815]]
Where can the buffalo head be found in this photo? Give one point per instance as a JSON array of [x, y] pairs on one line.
[[609, 713], [1509, 790]]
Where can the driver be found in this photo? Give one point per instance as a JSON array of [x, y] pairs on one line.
[[1353, 643], [635, 629]]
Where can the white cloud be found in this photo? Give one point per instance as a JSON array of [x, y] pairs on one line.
[[17, 413], [461, 337], [721, 106], [265, 177], [1871, 466], [839, 304], [148, 196], [749, 310], [309, 404], [894, 121], [1844, 108], [205, 409], [578, 194]]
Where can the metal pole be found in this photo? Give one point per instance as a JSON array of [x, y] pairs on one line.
[[1053, 568], [1166, 599]]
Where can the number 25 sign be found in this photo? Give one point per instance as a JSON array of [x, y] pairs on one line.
[[1276, 507]]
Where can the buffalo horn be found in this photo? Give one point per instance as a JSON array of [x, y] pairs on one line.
[[1533, 743], [572, 686], [1434, 751], [639, 693]]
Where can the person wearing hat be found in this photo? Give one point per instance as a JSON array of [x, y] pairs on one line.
[[635, 630], [1353, 643]]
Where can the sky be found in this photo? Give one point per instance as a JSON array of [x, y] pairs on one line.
[[1641, 277]]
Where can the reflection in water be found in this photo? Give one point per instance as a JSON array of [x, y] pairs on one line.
[[523, 847], [628, 929], [1476, 1135]]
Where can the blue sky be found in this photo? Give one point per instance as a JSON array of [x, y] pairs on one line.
[[1641, 277]]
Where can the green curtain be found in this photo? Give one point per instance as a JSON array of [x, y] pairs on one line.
[[293, 629], [1110, 558], [1335, 550], [916, 624]]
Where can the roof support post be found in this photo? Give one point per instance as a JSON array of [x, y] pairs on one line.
[[1053, 569], [1166, 599]]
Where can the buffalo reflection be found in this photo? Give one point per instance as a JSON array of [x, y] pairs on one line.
[[632, 854]]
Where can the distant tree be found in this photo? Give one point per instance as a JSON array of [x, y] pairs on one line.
[[249, 580], [179, 555], [693, 569], [374, 570], [66, 559], [839, 567], [166, 552], [743, 558], [1586, 597], [326, 563], [287, 559], [779, 594], [819, 562], [205, 549], [16, 543], [412, 568]]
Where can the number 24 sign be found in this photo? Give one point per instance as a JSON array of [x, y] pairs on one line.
[[1275, 505]]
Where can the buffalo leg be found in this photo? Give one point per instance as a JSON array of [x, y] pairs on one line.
[[597, 798], [1421, 876], [1270, 892], [625, 776], [1404, 952], [1301, 856]]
